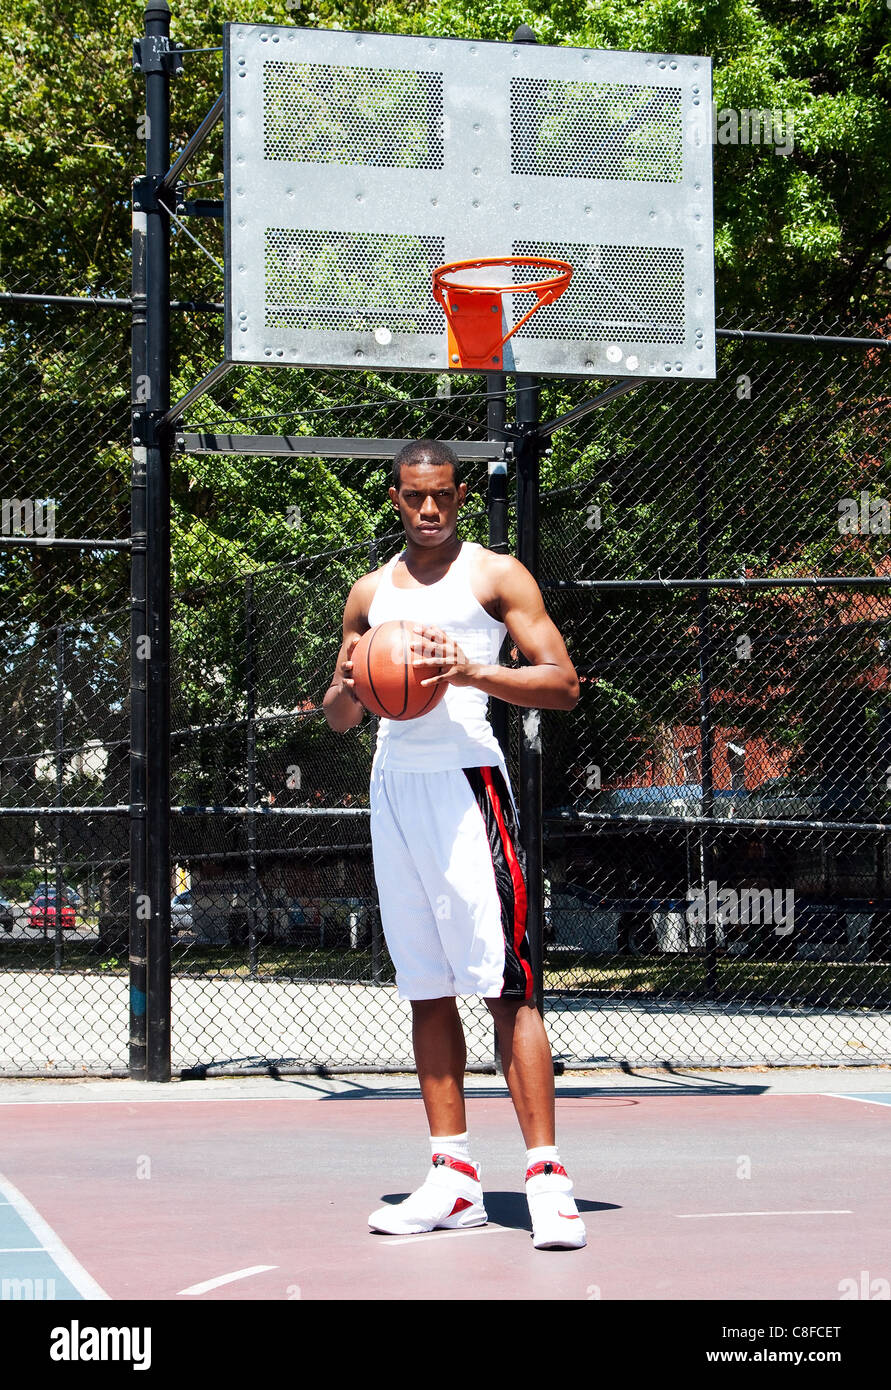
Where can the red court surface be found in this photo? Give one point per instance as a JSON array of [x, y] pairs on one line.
[[735, 1195]]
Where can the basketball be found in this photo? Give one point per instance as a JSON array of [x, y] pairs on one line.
[[386, 681]]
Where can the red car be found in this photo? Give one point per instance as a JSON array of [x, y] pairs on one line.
[[42, 914]]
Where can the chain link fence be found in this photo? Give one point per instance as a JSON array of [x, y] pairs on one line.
[[717, 806], [715, 810], [64, 672]]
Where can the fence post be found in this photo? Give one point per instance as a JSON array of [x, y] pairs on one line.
[[496, 507], [706, 727], [60, 743], [157, 442], [528, 455], [376, 925], [251, 741], [139, 887]]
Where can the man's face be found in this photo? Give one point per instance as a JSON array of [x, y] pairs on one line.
[[428, 502]]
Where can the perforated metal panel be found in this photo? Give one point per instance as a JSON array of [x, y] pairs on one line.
[[570, 130], [343, 115], [356, 163]]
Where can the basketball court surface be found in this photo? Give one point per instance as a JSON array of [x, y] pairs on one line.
[[761, 1185]]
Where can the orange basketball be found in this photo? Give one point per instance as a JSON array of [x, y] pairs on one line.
[[386, 681]]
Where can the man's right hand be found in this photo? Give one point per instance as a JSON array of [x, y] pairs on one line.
[[341, 706], [346, 668]]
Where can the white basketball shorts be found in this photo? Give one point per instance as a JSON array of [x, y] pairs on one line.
[[451, 882]]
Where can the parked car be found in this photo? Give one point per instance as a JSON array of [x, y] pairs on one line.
[[784, 798], [327, 921], [220, 912], [181, 911], [48, 890], [42, 914], [683, 799], [7, 914]]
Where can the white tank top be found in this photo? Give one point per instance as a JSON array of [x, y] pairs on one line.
[[455, 733]]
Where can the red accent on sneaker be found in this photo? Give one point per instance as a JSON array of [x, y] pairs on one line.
[[546, 1167], [461, 1205], [440, 1160], [569, 1216]]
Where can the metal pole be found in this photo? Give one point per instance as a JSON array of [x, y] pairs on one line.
[[376, 941], [80, 301], [496, 506], [157, 239], [877, 939], [376, 925], [60, 743], [194, 143], [251, 750], [528, 456], [706, 729], [139, 886]]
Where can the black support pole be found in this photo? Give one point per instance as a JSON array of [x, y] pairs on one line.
[[496, 507], [528, 456], [706, 725], [377, 934], [250, 688], [157, 442], [139, 887], [60, 768]]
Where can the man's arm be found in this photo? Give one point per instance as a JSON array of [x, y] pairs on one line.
[[548, 682], [341, 706]]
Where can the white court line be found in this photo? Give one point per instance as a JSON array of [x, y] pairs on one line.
[[179, 1100], [168, 1099], [442, 1235], [227, 1278], [20, 1249], [692, 1215], [862, 1100], [72, 1268]]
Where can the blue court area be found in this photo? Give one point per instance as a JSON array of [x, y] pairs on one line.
[[871, 1097], [34, 1263]]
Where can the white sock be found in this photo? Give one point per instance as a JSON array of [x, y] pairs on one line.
[[547, 1153], [455, 1145]]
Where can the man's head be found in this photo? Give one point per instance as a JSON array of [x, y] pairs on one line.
[[427, 491], [429, 451]]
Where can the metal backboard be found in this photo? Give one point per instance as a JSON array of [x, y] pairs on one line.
[[357, 163]]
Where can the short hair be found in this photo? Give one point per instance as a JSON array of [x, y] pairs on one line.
[[429, 451]]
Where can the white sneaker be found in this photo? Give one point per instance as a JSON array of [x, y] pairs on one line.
[[449, 1199], [556, 1224]]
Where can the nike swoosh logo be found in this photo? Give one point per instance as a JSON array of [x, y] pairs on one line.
[[567, 1217]]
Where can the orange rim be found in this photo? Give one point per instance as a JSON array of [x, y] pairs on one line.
[[472, 343], [557, 281]]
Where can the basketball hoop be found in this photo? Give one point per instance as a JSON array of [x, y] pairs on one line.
[[474, 311]]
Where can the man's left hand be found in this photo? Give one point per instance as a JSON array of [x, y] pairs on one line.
[[432, 647]]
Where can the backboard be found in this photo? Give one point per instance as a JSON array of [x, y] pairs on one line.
[[357, 163]]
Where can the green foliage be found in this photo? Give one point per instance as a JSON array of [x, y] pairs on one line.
[[792, 230], [798, 234]]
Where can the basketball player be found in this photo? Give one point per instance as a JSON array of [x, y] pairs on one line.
[[447, 862]]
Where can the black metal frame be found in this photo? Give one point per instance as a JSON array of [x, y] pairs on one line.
[[150, 580]]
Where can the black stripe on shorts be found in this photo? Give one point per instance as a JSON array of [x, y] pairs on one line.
[[509, 862]]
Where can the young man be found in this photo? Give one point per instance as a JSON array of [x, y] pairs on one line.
[[447, 861]]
